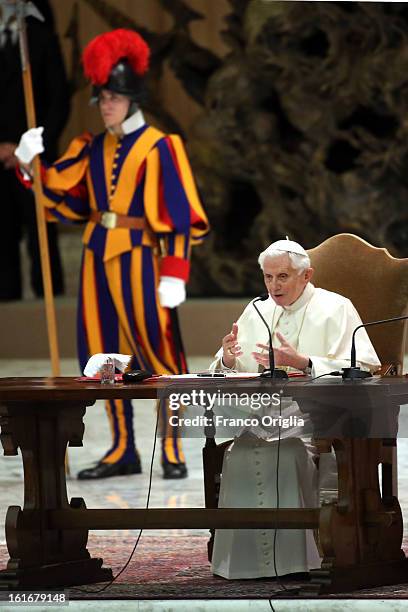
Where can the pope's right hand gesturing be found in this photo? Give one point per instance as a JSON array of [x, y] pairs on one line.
[[230, 347]]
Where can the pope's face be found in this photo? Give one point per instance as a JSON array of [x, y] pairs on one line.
[[114, 108], [283, 282]]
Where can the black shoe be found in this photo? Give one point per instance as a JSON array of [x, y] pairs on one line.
[[174, 470], [105, 470]]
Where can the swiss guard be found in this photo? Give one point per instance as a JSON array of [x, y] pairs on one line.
[[133, 187]]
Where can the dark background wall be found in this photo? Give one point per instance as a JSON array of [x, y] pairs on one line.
[[294, 113]]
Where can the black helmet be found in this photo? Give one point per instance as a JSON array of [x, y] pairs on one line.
[[117, 61], [123, 80]]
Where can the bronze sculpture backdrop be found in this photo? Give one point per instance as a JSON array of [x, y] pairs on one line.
[[303, 130]]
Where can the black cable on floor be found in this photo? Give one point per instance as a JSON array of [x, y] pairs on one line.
[[293, 380], [141, 531], [278, 580], [272, 608]]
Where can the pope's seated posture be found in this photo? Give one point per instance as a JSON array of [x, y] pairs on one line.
[[311, 331]]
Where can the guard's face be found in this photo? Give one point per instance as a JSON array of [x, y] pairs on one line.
[[114, 108], [283, 282]]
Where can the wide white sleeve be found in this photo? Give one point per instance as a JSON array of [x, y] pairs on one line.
[[339, 330], [218, 364], [246, 339]]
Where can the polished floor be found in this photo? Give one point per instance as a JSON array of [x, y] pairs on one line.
[[130, 491]]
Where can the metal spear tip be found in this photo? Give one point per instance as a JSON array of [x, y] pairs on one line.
[[22, 9]]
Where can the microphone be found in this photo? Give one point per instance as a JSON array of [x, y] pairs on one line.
[[353, 372], [272, 372]]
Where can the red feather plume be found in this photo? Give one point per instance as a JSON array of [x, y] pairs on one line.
[[104, 51]]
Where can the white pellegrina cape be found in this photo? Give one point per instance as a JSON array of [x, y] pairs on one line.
[[319, 325]]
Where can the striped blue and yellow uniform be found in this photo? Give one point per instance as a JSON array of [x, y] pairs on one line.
[[146, 175]]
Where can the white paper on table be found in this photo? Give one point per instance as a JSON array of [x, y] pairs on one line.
[[225, 375]]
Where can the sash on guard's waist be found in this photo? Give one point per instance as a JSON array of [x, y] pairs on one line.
[[110, 242]]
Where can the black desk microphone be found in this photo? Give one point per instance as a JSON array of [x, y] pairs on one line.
[[353, 372], [272, 372]]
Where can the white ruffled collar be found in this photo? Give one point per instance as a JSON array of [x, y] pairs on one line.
[[133, 123]]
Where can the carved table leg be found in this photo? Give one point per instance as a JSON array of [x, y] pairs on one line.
[[39, 555], [361, 534]]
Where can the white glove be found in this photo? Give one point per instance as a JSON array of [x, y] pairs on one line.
[[31, 143], [172, 291], [96, 362]]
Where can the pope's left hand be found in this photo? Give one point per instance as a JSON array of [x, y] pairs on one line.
[[285, 355], [172, 291]]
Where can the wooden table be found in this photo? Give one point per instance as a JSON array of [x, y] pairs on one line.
[[360, 535]]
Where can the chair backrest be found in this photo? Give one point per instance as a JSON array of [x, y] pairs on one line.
[[374, 281]]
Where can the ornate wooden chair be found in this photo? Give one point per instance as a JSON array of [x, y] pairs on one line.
[[377, 284]]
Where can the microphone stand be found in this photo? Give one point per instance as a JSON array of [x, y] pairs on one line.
[[272, 372], [354, 372]]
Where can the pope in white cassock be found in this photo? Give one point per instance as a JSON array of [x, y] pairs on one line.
[[311, 331]]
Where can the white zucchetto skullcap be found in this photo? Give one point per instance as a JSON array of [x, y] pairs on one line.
[[287, 246]]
